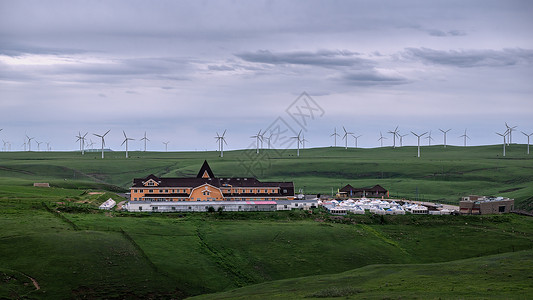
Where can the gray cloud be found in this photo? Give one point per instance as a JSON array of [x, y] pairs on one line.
[[471, 58], [322, 58], [371, 78]]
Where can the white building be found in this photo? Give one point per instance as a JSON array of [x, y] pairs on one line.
[[108, 204]]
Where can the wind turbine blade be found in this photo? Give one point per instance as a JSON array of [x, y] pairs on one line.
[[223, 133], [107, 132]]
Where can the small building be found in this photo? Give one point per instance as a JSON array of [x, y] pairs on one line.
[[482, 205], [296, 204], [108, 204], [41, 184], [376, 191]]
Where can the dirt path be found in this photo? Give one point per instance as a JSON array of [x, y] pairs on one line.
[[120, 204], [35, 283]]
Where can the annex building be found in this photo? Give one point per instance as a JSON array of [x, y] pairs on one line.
[[205, 187], [376, 191]]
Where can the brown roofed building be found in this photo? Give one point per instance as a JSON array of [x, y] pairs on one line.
[[206, 187], [376, 191]]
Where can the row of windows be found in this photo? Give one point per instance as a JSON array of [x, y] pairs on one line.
[[200, 199], [190, 207], [223, 190]]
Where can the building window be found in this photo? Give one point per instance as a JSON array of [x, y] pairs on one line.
[[173, 208], [154, 208], [150, 191], [501, 208], [140, 208]]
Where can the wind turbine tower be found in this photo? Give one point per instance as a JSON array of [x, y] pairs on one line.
[[298, 141], [335, 135], [221, 141], [258, 137], [429, 138], [528, 135], [381, 138], [29, 142], [345, 137], [510, 130], [126, 139], [465, 136], [166, 145], [145, 139], [401, 139], [503, 135], [394, 134], [445, 132], [356, 138], [418, 137], [103, 141], [38, 146]]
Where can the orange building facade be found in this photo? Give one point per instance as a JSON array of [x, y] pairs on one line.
[[206, 187]]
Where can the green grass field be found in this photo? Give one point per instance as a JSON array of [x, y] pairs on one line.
[[57, 237], [441, 174]]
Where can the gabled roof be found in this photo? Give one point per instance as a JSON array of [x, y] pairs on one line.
[[376, 188], [205, 171]]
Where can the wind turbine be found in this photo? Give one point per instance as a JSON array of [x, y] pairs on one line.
[[465, 137], [38, 146], [419, 136], [221, 141], [429, 138], [381, 138], [503, 135], [356, 138], [81, 138], [303, 141], [445, 132], [298, 141], [262, 138], [126, 139], [24, 144], [394, 133], [29, 142], [166, 145], [345, 137], [48, 146], [269, 138], [401, 138], [510, 129], [103, 141], [5, 145], [145, 139], [335, 135], [258, 137], [528, 135]]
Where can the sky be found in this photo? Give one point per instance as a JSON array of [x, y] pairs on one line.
[[185, 71]]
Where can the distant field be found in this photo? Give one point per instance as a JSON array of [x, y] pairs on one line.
[[441, 174], [57, 237]]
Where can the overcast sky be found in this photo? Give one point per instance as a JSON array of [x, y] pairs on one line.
[[184, 70]]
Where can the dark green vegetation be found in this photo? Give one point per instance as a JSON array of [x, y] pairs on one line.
[[57, 237]]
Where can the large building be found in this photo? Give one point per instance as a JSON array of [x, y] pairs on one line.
[[206, 187], [482, 205]]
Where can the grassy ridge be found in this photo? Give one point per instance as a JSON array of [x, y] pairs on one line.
[[503, 276], [442, 174]]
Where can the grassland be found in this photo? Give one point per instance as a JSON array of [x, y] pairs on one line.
[[57, 237], [441, 174]]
